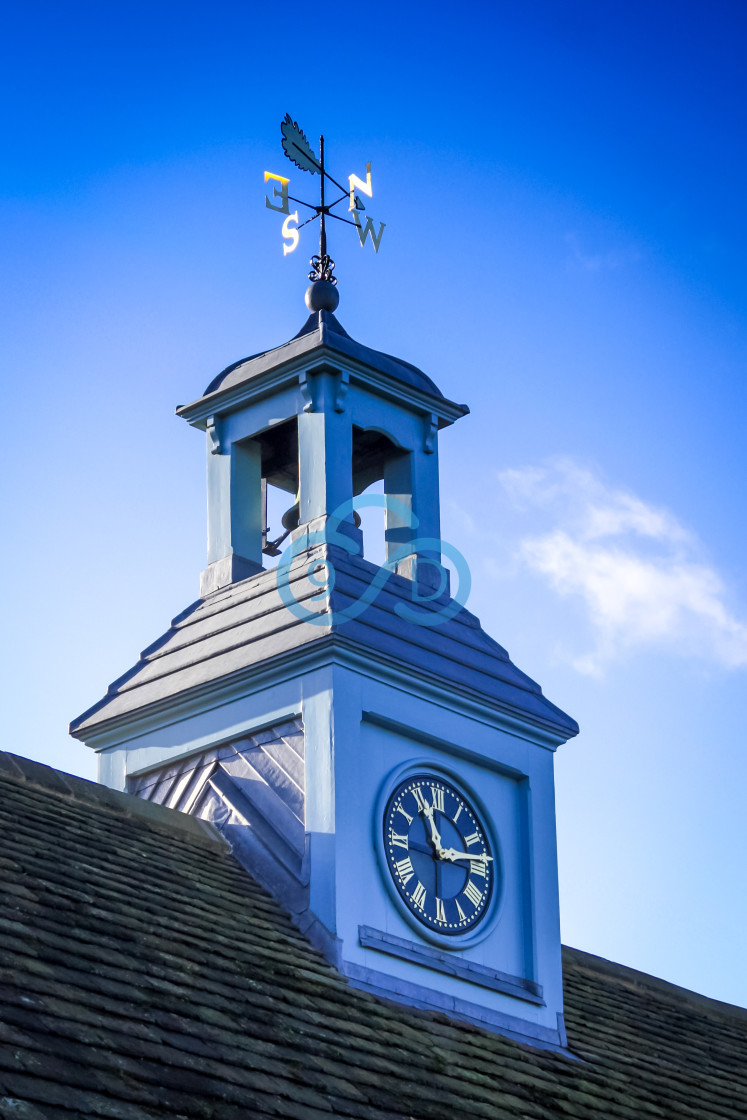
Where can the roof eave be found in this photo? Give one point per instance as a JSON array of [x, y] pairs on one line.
[[549, 728], [271, 373]]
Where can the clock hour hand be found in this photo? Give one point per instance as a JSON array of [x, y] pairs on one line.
[[435, 834], [452, 854]]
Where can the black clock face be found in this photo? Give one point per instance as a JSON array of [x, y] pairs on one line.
[[438, 854]]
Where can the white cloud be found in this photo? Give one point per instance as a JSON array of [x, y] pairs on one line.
[[634, 567]]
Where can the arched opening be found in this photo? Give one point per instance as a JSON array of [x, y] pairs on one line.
[[279, 447], [374, 452]]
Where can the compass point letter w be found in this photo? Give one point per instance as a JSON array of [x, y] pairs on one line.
[[363, 231]]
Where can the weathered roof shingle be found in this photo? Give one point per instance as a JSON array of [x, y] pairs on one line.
[[144, 974]]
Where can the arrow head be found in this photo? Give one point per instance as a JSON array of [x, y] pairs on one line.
[[296, 146]]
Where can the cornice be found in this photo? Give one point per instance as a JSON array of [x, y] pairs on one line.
[[331, 650], [286, 374]]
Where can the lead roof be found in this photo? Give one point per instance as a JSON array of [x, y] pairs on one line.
[[234, 632], [144, 974], [323, 328]]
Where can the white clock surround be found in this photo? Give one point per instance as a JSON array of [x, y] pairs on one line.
[[421, 765]]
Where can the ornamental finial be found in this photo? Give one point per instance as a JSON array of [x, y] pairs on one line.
[[298, 150]]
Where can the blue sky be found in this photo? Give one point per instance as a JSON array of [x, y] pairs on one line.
[[563, 188]]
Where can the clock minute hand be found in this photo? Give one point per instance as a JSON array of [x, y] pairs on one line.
[[452, 854]]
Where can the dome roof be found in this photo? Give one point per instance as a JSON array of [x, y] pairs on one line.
[[329, 332]]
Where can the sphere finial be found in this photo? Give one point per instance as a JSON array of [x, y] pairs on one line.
[[322, 295]]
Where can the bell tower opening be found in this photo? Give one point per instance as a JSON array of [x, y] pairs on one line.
[[279, 457], [382, 496], [373, 453]]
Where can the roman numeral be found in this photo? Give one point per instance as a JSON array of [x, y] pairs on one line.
[[479, 867], [440, 912], [400, 841], [473, 839], [405, 814], [405, 870], [438, 798], [420, 799], [462, 915], [472, 893], [418, 895], [456, 818]]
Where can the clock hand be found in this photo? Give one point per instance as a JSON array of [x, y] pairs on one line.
[[435, 835], [452, 854]]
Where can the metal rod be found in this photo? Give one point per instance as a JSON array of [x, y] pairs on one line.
[[338, 185], [301, 202], [337, 218], [338, 201], [313, 218], [322, 228]]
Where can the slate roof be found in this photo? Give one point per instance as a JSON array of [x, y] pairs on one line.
[[143, 974], [322, 330], [247, 624]]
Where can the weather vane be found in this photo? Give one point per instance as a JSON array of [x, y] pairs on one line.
[[299, 151]]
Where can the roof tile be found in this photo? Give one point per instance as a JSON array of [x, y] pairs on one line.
[[143, 974]]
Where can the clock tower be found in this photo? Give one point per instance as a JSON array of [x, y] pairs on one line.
[[372, 756]]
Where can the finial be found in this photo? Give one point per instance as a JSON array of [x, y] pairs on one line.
[[322, 295], [298, 150]]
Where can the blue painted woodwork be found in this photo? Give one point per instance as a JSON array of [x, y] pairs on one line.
[[289, 726]]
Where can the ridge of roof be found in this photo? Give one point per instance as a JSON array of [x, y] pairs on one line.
[[146, 977], [38, 774]]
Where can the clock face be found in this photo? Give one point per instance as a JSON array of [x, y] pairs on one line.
[[438, 854]]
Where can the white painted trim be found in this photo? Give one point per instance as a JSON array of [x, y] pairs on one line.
[[328, 650], [250, 727]]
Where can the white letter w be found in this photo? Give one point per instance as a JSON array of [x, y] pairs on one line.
[[363, 231]]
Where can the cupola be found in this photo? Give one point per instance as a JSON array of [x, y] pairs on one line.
[[321, 417], [374, 758]]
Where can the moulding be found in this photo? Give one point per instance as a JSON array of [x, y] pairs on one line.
[[450, 965], [417, 995], [287, 371], [331, 649]]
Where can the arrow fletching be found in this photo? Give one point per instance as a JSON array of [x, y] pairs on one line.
[[297, 147]]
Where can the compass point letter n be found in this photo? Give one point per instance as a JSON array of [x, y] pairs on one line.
[[363, 185]]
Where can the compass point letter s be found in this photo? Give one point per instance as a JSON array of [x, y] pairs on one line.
[[292, 234], [363, 185], [282, 194]]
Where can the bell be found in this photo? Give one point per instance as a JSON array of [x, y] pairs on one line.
[[292, 516]]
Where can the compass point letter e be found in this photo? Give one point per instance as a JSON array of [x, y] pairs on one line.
[[282, 194]]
